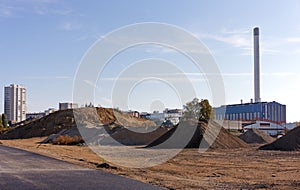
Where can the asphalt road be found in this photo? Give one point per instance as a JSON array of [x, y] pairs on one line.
[[20, 169]]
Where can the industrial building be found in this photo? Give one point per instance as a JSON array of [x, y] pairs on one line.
[[263, 111], [67, 105], [268, 116], [15, 103]]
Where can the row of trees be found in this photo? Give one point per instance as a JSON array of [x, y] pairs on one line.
[[3, 121]]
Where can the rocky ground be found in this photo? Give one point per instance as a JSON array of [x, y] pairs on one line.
[[242, 168]]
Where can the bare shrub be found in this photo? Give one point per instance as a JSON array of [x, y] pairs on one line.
[[67, 140]]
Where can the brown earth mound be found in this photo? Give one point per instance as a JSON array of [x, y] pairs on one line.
[[45, 126], [289, 142], [57, 121], [256, 136], [203, 135], [120, 134], [131, 138]]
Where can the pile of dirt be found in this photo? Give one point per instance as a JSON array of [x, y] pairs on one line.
[[203, 135], [122, 135], [256, 136], [129, 137], [289, 142], [45, 126], [64, 120]]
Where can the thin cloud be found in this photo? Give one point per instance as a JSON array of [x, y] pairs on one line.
[[171, 78], [160, 50], [235, 31], [10, 8], [47, 77], [243, 40], [293, 40], [106, 100], [90, 83], [279, 74], [249, 51], [234, 40], [297, 52], [68, 26], [63, 12]]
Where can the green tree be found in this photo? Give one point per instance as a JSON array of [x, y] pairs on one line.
[[1, 125], [196, 109], [4, 121], [192, 109]]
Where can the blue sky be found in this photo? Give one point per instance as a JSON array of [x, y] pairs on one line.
[[43, 41]]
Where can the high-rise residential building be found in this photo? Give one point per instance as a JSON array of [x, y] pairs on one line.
[[15, 103]]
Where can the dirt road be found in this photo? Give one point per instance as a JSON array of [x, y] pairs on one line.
[[20, 169], [245, 168]]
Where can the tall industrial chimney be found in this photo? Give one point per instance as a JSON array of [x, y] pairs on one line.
[[256, 65]]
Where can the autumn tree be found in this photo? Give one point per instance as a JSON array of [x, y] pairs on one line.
[[200, 110]]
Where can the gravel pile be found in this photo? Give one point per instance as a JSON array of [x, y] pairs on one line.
[[289, 142], [256, 136]]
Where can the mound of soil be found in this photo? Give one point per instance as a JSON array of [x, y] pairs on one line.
[[124, 136], [131, 138], [256, 136], [289, 142], [57, 121], [204, 135], [45, 126]]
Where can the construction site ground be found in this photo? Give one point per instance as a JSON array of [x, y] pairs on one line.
[[242, 168]]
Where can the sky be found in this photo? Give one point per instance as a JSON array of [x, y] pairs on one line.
[[42, 43]]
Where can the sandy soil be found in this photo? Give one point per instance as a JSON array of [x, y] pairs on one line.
[[245, 168]]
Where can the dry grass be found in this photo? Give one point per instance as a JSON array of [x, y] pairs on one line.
[[67, 140]]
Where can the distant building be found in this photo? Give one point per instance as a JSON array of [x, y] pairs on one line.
[[145, 115], [270, 128], [267, 116], [39, 114], [15, 103], [35, 115], [173, 115], [50, 110], [134, 113], [263, 111], [67, 105]]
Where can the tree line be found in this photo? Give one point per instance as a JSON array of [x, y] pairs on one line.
[[3, 121]]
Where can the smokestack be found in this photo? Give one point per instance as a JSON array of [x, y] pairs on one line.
[[256, 65]]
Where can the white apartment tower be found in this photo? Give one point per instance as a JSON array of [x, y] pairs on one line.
[[15, 103]]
